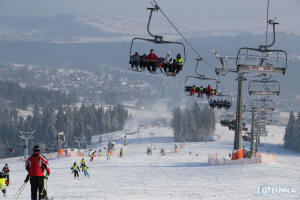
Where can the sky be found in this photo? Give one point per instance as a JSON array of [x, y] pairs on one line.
[[196, 16], [230, 9]]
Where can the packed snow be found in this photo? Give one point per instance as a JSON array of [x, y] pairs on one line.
[[182, 175]]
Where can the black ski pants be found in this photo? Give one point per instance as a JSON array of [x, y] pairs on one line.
[[37, 185], [76, 174]]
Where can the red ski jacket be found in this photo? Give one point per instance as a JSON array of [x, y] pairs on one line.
[[6, 170], [36, 165], [152, 57]]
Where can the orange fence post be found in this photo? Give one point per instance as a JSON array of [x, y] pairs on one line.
[[66, 152], [60, 153], [237, 154]]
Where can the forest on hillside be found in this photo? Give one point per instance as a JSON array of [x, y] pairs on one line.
[[77, 123], [52, 112], [292, 133], [193, 124], [15, 96]]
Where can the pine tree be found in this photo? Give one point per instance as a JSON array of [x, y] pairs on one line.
[[176, 124], [289, 130], [295, 139]]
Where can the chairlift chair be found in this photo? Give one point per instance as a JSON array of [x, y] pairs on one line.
[[261, 131], [263, 120], [214, 83], [157, 39], [264, 133], [262, 60], [264, 87], [188, 83], [224, 97], [224, 61], [266, 118], [264, 104]]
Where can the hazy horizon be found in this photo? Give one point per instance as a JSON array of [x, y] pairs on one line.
[[194, 17], [230, 9]]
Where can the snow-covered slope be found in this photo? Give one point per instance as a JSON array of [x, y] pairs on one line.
[[182, 175]]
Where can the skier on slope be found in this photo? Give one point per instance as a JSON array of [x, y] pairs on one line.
[[82, 162], [99, 153], [148, 151], [75, 169], [6, 171], [121, 152], [36, 165], [85, 170], [3, 183], [93, 156], [162, 152]]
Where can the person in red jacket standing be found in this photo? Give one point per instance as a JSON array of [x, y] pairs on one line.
[[36, 165]]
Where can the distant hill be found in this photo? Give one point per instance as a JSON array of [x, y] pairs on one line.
[[18, 97], [90, 56]]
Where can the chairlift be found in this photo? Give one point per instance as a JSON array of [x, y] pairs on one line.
[[221, 101], [224, 61], [246, 138], [264, 87], [226, 119], [267, 117], [262, 60], [207, 86], [206, 82], [263, 119], [156, 39], [261, 130], [264, 104]]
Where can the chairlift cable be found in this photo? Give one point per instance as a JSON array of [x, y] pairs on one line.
[[181, 35], [187, 41], [177, 30]]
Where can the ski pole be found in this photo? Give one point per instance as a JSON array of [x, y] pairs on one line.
[[45, 189], [19, 192], [47, 185]]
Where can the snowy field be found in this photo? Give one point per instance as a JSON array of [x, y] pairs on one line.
[[180, 176]]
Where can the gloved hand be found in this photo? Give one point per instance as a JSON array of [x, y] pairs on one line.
[[27, 178], [46, 177]]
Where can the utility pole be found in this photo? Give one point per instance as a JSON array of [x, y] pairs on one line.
[[26, 136]]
